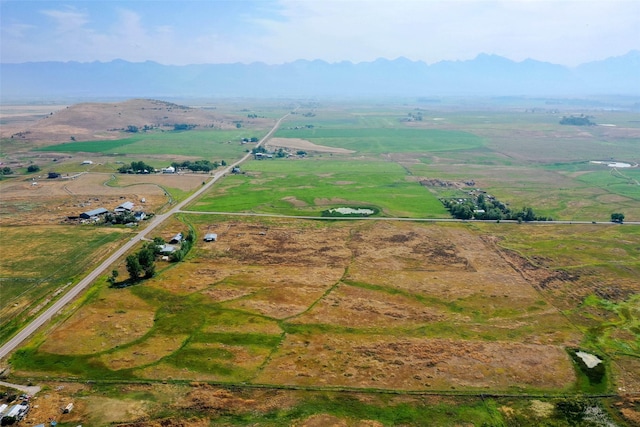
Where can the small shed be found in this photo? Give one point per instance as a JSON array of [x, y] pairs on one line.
[[93, 213], [210, 237], [177, 238]]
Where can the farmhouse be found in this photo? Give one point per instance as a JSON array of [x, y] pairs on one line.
[[210, 237], [93, 213], [125, 207], [166, 249], [139, 216], [170, 169]]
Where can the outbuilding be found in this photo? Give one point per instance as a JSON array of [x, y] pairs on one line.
[[177, 238], [93, 213], [125, 207], [210, 237]]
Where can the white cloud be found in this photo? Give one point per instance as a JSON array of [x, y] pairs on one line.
[[559, 31], [565, 32], [69, 19], [17, 30]]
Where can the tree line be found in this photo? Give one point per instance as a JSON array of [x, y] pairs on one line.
[[139, 167], [482, 208]]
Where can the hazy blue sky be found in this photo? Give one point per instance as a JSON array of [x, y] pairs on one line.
[[567, 32]]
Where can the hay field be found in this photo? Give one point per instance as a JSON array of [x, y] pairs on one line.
[[392, 306], [395, 306]]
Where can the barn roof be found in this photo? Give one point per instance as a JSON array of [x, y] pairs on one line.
[[126, 205], [95, 212]]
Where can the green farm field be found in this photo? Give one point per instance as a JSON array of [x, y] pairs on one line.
[[309, 186], [207, 144]]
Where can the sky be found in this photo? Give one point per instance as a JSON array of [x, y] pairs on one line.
[[566, 32]]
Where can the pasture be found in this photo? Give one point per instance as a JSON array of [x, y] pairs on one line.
[[309, 186], [47, 259], [208, 144], [394, 306], [308, 322]]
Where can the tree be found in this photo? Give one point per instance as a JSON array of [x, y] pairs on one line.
[[6, 171], [134, 268], [33, 168], [147, 260], [113, 277], [617, 217], [528, 214]]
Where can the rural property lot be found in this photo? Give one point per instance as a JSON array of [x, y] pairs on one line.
[[286, 321], [392, 306]]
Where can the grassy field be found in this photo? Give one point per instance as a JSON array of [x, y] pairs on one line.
[[309, 186], [47, 259], [364, 306], [207, 144], [307, 322]]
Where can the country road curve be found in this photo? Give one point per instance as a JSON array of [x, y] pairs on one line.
[[60, 303]]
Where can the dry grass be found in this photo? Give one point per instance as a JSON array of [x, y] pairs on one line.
[[116, 318], [148, 351], [96, 121], [416, 364], [385, 282]]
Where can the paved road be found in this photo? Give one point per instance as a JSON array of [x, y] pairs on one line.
[[59, 304]]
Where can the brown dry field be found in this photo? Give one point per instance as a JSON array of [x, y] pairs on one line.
[[51, 201], [414, 307]]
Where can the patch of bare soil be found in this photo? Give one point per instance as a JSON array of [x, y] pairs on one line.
[[303, 144], [94, 121]]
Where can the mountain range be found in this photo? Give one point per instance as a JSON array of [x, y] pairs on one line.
[[485, 75]]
